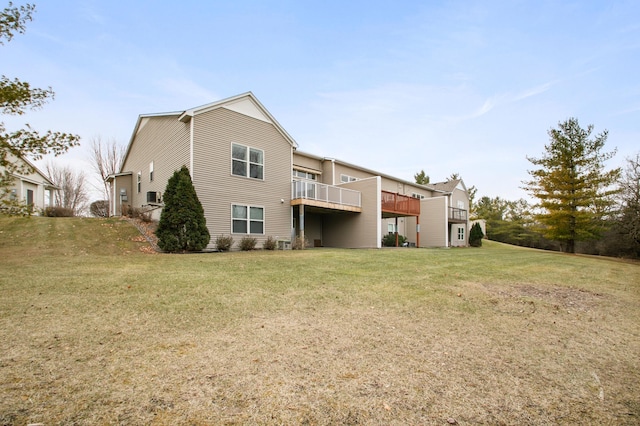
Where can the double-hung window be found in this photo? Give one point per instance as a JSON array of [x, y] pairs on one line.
[[139, 182], [247, 161], [247, 219]]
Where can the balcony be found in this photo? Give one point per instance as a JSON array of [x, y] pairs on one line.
[[325, 196], [457, 215], [399, 205]]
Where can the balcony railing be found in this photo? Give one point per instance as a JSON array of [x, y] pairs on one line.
[[457, 214], [326, 193], [401, 204]]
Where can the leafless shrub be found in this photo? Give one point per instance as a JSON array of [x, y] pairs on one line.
[[224, 243]]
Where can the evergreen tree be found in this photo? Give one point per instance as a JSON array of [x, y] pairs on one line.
[[421, 178], [571, 185], [476, 235], [182, 225]]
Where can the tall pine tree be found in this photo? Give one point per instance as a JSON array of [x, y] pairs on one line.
[[182, 225], [573, 190]]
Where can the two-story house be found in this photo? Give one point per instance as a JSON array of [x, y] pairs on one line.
[[252, 180]]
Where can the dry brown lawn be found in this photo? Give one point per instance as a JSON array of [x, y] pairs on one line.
[[95, 330]]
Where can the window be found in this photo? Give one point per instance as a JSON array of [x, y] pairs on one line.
[[461, 204], [247, 219], [416, 195], [391, 228], [460, 234], [347, 178], [151, 172], [305, 175], [247, 162], [139, 182]]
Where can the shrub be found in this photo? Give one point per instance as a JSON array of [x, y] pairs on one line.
[[224, 243], [99, 208], [270, 244], [136, 213], [182, 225], [248, 243], [299, 244], [57, 211], [10, 207], [476, 235], [389, 240]]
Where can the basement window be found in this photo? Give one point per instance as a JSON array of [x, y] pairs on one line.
[[247, 219]]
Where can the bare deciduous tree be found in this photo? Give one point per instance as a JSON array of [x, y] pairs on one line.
[[73, 194], [630, 195], [106, 158]]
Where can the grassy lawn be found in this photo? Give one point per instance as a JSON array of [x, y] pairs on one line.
[[95, 330]]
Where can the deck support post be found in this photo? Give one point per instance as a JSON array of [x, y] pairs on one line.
[[301, 210], [396, 231]]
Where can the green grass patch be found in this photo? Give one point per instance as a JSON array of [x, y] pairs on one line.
[[96, 329]]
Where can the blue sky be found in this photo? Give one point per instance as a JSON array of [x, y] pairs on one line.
[[470, 87]]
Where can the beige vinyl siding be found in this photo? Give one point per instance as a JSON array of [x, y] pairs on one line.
[[433, 222], [342, 169], [214, 133], [459, 195], [163, 140], [33, 181], [404, 188], [306, 162], [121, 182], [454, 235], [328, 177], [357, 230]]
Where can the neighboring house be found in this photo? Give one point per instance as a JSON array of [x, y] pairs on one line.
[[252, 180], [29, 186]]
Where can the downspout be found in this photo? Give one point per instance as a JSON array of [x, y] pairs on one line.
[[113, 197], [379, 210], [333, 172], [446, 221], [191, 146]]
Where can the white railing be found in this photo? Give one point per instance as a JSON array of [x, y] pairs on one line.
[[320, 192]]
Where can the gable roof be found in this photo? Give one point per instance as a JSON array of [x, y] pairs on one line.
[[449, 185], [245, 103], [46, 180]]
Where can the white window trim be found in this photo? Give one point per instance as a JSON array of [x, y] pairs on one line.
[[307, 175], [151, 171], [349, 178], [248, 161], [249, 206], [139, 182]]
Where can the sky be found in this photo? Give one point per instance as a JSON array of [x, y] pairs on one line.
[[467, 87]]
